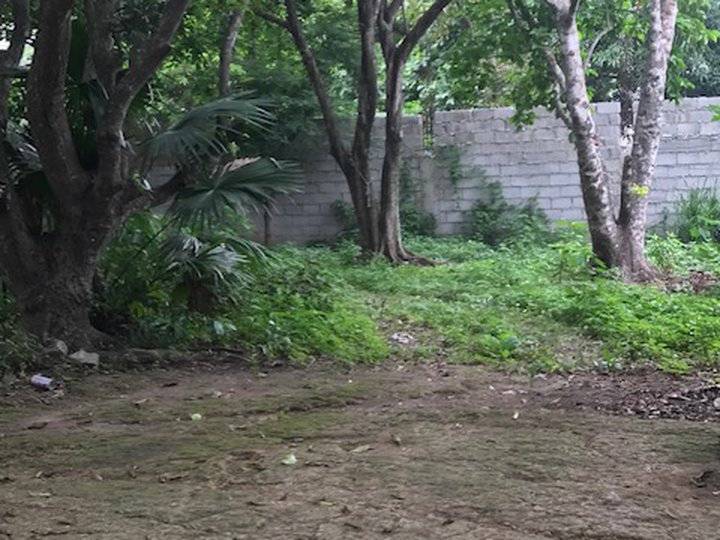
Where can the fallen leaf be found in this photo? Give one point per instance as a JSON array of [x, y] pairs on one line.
[[361, 449], [290, 459], [516, 415]]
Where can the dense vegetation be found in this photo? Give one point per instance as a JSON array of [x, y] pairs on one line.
[[84, 259], [525, 304]]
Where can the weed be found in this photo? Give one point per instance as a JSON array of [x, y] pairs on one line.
[[495, 221]]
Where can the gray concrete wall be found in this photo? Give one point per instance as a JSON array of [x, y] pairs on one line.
[[536, 161]]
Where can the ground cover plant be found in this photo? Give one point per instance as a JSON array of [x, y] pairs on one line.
[[522, 306], [528, 303]]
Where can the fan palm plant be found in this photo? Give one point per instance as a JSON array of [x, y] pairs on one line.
[[201, 245]]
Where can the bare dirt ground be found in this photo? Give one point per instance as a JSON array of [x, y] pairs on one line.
[[399, 452]]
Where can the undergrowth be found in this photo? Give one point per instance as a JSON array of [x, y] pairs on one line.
[[546, 308]]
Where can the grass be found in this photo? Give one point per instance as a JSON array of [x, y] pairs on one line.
[[540, 308], [528, 307]]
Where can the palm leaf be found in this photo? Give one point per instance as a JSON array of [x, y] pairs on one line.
[[214, 263], [250, 187], [198, 134]]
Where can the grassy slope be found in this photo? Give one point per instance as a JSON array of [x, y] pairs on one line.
[[540, 308]]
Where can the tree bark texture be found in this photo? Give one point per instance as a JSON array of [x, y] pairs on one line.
[[50, 271], [617, 242], [226, 52]]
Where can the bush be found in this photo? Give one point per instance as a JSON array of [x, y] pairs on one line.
[[298, 309], [287, 307], [417, 221], [17, 349], [697, 216], [414, 220], [495, 221]]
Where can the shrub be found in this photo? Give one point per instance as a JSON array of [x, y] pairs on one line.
[[417, 221], [297, 309], [17, 349], [414, 220], [495, 221], [697, 215]]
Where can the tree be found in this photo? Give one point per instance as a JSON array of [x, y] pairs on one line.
[[617, 242], [68, 184], [378, 23]]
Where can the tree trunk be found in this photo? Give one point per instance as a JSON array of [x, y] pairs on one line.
[[390, 231], [226, 52], [618, 243], [593, 176], [641, 171], [53, 285], [59, 308], [363, 204]]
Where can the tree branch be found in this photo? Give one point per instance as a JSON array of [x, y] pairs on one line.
[[368, 13], [158, 196], [10, 58], [46, 102], [337, 147], [144, 64], [106, 62], [226, 52], [273, 19], [595, 44], [419, 29], [393, 8]]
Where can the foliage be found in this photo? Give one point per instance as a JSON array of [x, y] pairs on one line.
[[17, 349], [478, 56], [415, 220], [697, 215], [273, 305], [509, 308], [495, 221]]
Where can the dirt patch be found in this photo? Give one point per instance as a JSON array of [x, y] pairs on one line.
[[402, 452], [696, 282], [648, 394]]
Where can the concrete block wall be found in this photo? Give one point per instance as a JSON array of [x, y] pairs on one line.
[[535, 161]]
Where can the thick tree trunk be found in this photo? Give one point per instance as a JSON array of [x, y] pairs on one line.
[[59, 308], [53, 286]]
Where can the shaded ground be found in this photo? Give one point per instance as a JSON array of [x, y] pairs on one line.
[[400, 452]]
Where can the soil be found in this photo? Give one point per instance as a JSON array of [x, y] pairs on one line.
[[402, 451]]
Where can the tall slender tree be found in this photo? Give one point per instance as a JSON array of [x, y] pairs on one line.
[[618, 240], [378, 23]]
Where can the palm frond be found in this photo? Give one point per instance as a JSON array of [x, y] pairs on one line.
[[213, 263], [250, 187], [23, 157], [198, 134]]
